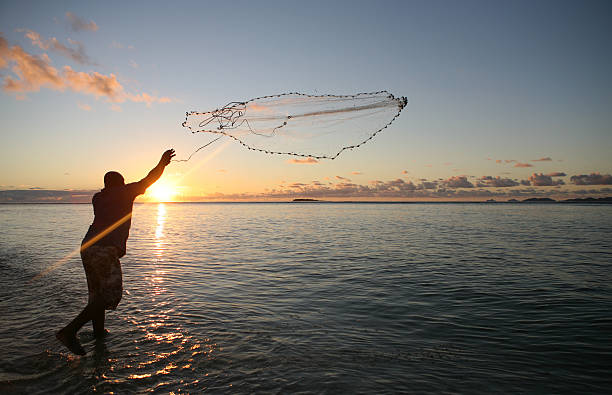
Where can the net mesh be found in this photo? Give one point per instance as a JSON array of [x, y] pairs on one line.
[[297, 124]]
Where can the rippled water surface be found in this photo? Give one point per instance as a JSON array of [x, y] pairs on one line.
[[321, 298]]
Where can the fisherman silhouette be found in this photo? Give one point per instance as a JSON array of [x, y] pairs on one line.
[[103, 245]]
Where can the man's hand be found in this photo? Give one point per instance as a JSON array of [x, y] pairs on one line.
[[167, 157]]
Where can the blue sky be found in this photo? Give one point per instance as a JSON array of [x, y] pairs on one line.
[[486, 81]]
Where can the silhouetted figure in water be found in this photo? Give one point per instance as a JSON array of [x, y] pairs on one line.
[[102, 247]]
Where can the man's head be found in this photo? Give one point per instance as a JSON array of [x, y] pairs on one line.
[[113, 179]]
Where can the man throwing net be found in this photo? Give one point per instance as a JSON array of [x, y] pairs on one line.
[[103, 245]]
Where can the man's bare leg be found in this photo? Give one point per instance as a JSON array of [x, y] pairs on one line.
[[67, 335], [98, 324]]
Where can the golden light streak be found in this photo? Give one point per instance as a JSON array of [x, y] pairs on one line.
[[120, 221], [84, 246], [206, 159]]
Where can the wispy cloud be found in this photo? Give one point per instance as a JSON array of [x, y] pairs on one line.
[[546, 159], [118, 45], [32, 72], [356, 173], [146, 98], [557, 174], [77, 24], [592, 179], [307, 161], [519, 164], [78, 55], [84, 107]]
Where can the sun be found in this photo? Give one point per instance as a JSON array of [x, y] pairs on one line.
[[161, 192]]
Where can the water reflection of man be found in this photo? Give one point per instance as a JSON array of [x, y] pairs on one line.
[[103, 245]]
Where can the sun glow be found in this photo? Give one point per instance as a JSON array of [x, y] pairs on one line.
[[161, 192]]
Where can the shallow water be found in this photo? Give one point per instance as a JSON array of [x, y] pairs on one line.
[[322, 298]]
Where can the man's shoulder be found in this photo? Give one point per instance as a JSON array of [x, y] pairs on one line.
[[136, 188], [96, 196]]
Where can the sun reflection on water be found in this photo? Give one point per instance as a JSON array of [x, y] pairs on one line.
[[161, 219]]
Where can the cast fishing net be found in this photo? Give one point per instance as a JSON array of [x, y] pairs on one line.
[[320, 127]]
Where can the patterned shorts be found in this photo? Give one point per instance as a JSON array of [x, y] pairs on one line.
[[103, 272]]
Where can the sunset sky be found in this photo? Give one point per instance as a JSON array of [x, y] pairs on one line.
[[505, 99]]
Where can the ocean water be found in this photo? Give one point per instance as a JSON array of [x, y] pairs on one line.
[[317, 298]]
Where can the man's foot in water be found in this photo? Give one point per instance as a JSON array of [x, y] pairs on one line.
[[71, 342]]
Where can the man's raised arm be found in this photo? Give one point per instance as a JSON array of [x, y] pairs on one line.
[[157, 170]]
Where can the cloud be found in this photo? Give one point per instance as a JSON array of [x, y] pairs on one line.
[[546, 159], [77, 24], [148, 99], [519, 164], [556, 174], [509, 160], [542, 180], [307, 161], [404, 171], [84, 107], [133, 64], [39, 195], [592, 179], [356, 173], [428, 184], [31, 73], [394, 189], [498, 161], [457, 182], [342, 178], [94, 83], [496, 182], [118, 45], [78, 55]]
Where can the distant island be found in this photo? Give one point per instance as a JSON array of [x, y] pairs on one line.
[[50, 196], [605, 200], [539, 200]]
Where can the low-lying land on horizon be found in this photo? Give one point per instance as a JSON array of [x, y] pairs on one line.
[[84, 197]]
